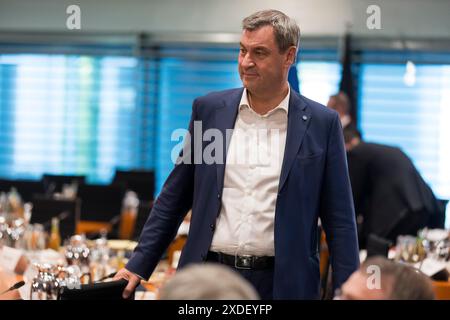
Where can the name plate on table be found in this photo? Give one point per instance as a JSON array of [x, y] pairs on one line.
[[430, 266], [9, 258]]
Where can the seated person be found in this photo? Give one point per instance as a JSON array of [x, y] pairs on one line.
[[207, 281], [396, 282]]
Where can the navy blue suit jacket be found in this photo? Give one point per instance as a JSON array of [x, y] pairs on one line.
[[314, 183]]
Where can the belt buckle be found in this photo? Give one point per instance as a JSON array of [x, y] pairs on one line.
[[243, 262]]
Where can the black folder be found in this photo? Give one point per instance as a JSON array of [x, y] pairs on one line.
[[111, 290]]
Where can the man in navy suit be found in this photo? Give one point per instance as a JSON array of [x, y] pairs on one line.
[[258, 216]]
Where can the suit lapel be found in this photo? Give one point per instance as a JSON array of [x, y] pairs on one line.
[[299, 118], [225, 119]]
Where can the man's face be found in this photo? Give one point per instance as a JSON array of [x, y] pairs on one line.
[[334, 104], [345, 118], [356, 288], [261, 65]]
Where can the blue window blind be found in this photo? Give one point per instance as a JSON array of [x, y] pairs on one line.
[[412, 116], [68, 114], [319, 79], [185, 74], [319, 73]]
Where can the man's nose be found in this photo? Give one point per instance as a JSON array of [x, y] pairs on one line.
[[247, 61]]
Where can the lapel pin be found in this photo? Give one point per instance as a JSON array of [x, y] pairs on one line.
[[305, 118]]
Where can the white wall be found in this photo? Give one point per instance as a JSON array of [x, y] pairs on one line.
[[414, 18]]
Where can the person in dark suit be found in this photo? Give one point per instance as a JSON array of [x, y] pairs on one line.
[[258, 217], [391, 198]]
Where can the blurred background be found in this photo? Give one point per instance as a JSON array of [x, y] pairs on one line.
[[106, 97]]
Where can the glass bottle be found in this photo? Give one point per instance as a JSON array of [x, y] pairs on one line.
[[55, 237], [128, 216]]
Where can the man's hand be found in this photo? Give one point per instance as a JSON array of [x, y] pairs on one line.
[[133, 281]]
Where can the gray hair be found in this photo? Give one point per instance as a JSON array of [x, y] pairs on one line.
[[403, 281], [207, 281], [286, 30]]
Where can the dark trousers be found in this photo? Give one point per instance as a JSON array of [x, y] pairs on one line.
[[262, 281]]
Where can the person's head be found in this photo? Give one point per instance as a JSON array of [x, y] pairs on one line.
[[208, 281], [352, 137], [341, 103], [381, 279], [268, 48]]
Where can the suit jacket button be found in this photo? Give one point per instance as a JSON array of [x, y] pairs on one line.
[[212, 227], [218, 196]]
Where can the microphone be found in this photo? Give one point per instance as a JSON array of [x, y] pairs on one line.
[[115, 220], [14, 287], [50, 189], [62, 216]]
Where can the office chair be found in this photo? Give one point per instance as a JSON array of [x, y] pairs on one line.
[[68, 212], [377, 246], [100, 202], [437, 221], [54, 183], [26, 188], [140, 181]]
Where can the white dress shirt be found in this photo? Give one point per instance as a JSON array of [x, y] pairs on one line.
[[245, 224]]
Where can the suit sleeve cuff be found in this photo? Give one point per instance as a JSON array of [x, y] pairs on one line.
[[138, 265]]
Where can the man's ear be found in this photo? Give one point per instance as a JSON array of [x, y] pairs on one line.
[[290, 57]]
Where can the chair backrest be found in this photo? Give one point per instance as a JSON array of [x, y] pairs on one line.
[[437, 220], [142, 216], [100, 202], [442, 290], [377, 246], [44, 209], [26, 188], [140, 181], [54, 183]]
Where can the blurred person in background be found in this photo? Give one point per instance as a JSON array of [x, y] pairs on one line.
[[341, 104], [209, 281], [381, 279], [391, 198]]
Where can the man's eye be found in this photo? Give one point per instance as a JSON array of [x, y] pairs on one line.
[[243, 50]]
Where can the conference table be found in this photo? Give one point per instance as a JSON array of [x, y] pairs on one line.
[[8, 279], [148, 290]]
